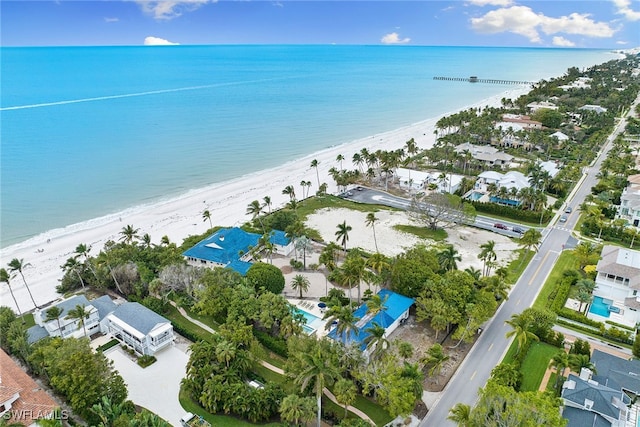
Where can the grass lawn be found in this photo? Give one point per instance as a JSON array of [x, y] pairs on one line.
[[29, 321], [510, 356], [313, 204], [178, 319], [375, 411], [517, 266], [566, 261], [535, 365], [207, 320], [423, 232]]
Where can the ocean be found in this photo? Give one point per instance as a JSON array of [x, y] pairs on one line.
[[90, 131]]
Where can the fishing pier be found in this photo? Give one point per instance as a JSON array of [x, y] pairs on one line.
[[475, 79]]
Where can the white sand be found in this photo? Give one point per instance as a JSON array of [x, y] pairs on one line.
[[180, 217]]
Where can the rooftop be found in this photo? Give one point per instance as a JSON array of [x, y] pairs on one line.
[[620, 262], [139, 317]]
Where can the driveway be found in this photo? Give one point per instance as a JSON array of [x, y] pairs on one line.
[[155, 387]]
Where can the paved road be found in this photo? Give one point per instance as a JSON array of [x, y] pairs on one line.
[[490, 347], [371, 196]]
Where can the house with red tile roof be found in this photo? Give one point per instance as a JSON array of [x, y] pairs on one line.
[[22, 401]]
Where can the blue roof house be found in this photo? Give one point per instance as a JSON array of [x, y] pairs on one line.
[[64, 326], [395, 311], [231, 248]]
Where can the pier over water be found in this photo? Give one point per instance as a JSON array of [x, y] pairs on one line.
[[474, 79]]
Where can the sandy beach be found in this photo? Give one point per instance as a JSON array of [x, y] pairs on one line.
[[182, 216]]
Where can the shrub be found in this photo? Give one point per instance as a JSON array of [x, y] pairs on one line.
[[580, 347], [262, 275], [618, 335], [579, 317], [275, 344], [512, 213], [636, 347], [629, 328], [114, 342], [561, 294], [146, 360]]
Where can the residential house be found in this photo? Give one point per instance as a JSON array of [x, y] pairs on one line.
[[617, 284], [522, 120], [233, 248], [66, 326], [22, 401], [579, 83], [550, 167], [561, 137], [485, 154], [598, 109], [395, 311], [629, 208], [605, 397], [133, 324], [413, 179], [535, 106]]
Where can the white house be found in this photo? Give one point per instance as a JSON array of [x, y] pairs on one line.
[[598, 109], [561, 137], [629, 208], [65, 326], [535, 106], [131, 323], [412, 179], [616, 295], [486, 154]]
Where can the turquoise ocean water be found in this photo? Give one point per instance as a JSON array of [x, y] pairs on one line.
[[88, 131]]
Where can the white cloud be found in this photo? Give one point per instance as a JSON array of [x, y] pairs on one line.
[[622, 42], [524, 21], [562, 42], [110, 20], [157, 41], [169, 9], [394, 38], [491, 2], [624, 8]]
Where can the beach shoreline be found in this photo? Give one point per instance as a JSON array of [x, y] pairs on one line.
[[180, 217]]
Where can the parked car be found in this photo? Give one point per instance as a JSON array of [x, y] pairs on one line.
[[563, 218], [359, 188], [501, 226], [568, 210], [518, 230]]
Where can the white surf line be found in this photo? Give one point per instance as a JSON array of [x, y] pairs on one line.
[[130, 95]]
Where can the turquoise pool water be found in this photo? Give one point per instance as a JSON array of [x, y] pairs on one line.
[[475, 196], [600, 306], [312, 322]]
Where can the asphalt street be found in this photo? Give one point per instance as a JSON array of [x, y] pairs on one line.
[[492, 344]]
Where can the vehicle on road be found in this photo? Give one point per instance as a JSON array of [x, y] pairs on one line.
[[518, 230], [349, 193], [568, 210], [563, 218], [501, 226], [359, 188]]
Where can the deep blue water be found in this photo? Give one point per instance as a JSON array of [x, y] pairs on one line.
[[87, 131]]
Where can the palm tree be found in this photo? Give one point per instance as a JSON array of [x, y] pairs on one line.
[[376, 341], [370, 221], [346, 392], [460, 414], [19, 265], [225, 352], [345, 318], [579, 361], [561, 361], [83, 251], [405, 349], [296, 409], [146, 241], [289, 191], [301, 283], [520, 324], [72, 265], [434, 360], [255, 209], [4, 278], [304, 244], [314, 164], [339, 159], [473, 272], [530, 239], [319, 371], [342, 235], [206, 215], [128, 234], [54, 313], [80, 314], [487, 255], [375, 305], [448, 257], [267, 202]]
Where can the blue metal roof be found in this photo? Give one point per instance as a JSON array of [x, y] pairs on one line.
[[36, 333], [104, 304], [225, 245], [70, 304], [394, 306]]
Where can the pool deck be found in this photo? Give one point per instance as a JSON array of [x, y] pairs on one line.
[[311, 307]]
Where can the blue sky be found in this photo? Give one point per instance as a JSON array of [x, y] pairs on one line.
[[610, 24]]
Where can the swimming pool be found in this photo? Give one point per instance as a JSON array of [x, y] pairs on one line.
[[475, 195], [600, 306], [312, 324]]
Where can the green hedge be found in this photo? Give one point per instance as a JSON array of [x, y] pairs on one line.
[[146, 360], [275, 344], [114, 342], [619, 325], [561, 292], [512, 213], [579, 317]]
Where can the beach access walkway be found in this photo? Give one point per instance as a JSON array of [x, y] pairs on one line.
[[275, 369]]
